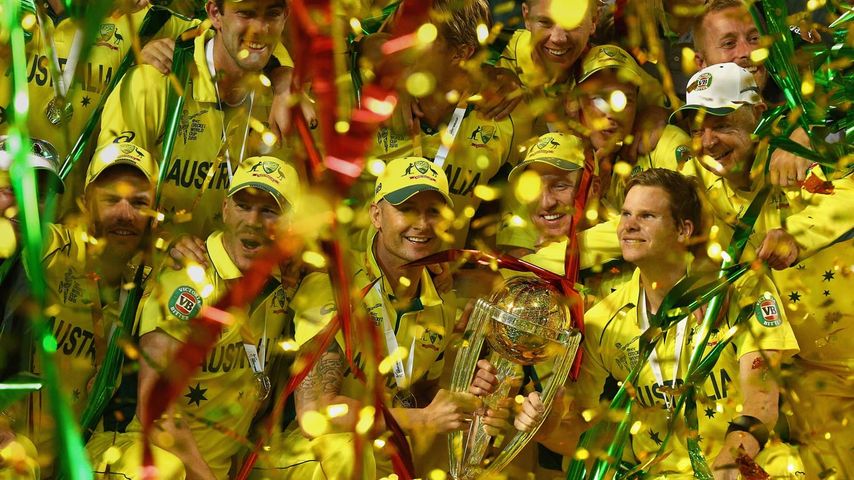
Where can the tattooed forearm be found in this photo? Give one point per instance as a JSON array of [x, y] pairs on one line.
[[323, 382]]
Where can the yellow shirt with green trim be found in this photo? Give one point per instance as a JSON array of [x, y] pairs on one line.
[[115, 36], [72, 297], [220, 399], [195, 182], [422, 327], [671, 151], [612, 330], [481, 148]]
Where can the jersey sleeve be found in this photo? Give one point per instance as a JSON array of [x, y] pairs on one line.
[[586, 391], [766, 328], [175, 26], [135, 111], [599, 244], [313, 305], [172, 304], [449, 314]]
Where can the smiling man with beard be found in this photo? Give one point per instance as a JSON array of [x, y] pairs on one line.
[[85, 269], [222, 398]]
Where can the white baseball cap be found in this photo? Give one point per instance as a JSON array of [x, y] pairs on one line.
[[720, 90]]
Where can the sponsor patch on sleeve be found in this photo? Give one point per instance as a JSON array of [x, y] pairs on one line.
[[767, 311], [185, 303]]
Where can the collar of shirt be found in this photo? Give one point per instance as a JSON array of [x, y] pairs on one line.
[[429, 296], [203, 84]]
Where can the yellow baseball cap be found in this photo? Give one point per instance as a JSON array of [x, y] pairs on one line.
[[271, 174], [558, 149], [404, 177], [121, 154], [611, 56]]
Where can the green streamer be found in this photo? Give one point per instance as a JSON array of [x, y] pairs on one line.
[[70, 453], [18, 387]]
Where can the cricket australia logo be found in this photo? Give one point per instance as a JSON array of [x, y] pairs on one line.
[[190, 127], [484, 134], [108, 36], [422, 167], [267, 168], [431, 340], [185, 303], [547, 142]]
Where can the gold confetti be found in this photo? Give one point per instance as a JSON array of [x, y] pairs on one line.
[[568, 14], [528, 187]]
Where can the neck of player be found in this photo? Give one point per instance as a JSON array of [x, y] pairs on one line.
[[658, 279], [230, 77], [393, 268]]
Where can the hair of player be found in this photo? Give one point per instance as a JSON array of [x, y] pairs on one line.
[[457, 20], [684, 194]]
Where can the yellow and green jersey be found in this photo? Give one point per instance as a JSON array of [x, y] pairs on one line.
[[220, 399], [481, 148], [612, 331], [80, 314], [197, 178]]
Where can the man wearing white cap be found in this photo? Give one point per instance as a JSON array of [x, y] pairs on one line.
[[85, 267]]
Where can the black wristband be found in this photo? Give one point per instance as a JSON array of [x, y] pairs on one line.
[[751, 425]]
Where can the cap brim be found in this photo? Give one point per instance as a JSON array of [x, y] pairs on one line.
[[553, 161], [638, 78], [718, 111], [403, 194], [282, 201]]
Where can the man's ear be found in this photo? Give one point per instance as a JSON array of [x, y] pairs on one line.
[[462, 53], [699, 61], [525, 11], [686, 230], [214, 14], [375, 216]]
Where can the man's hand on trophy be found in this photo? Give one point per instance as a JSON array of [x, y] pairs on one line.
[[449, 411], [485, 379], [533, 412], [497, 420]]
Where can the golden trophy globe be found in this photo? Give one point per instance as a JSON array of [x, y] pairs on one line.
[[526, 322]]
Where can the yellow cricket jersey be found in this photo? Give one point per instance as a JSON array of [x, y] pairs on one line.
[[220, 399], [612, 329], [481, 147], [518, 57], [422, 328], [81, 312], [196, 182], [114, 40], [671, 151]]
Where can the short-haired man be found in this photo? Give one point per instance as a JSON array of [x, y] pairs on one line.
[[661, 219], [206, 424], [85, 270], [404, 303], [224, 93]]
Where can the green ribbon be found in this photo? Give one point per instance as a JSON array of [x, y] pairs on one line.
[[18, 387], [71, 456]]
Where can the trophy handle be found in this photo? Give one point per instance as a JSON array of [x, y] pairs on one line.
[[464, 367], [560, 373]]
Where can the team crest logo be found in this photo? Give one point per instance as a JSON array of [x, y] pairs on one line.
[[108, 36], [185, 303], [190, 127], [431, 340], [422, 167], [69, 288], [268, 168], [547, 142], [612, 53], [484, 134], [703, 82], [767, 311]]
